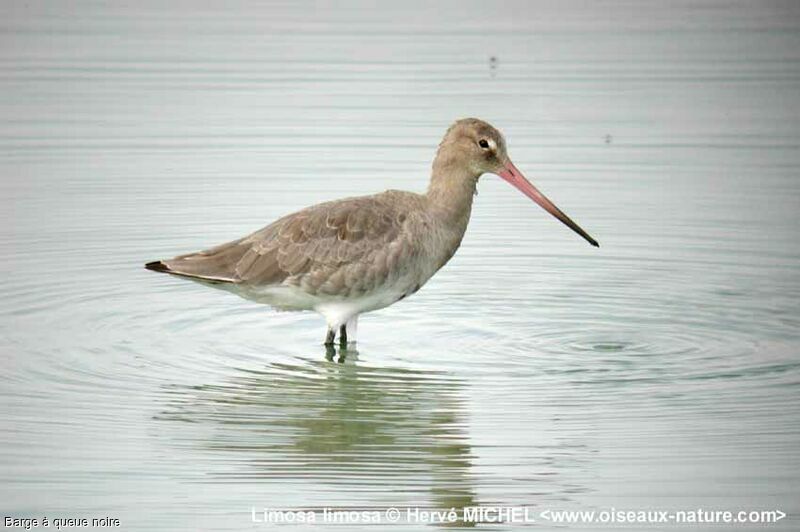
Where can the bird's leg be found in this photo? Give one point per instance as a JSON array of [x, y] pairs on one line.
[[343, 337], [330, 337]]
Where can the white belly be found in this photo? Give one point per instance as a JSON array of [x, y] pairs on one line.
[[337, 310]]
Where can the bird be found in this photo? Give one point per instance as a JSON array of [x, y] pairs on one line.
[[350, 256]]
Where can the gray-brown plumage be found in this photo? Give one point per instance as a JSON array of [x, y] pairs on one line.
[[345, 257]]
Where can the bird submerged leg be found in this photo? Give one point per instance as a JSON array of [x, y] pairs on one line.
[[343, 337], [330, 352]]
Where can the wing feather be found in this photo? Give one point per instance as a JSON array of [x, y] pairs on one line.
[[339, 247]]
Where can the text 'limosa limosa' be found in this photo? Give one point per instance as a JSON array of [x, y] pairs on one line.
[[350, 256]]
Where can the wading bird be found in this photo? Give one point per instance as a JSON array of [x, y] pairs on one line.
[[350, 256]]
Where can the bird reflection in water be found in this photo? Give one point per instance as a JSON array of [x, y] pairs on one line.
[[340, 355], [400, 433]]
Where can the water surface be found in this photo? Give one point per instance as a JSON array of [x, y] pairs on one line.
[[660, 371]]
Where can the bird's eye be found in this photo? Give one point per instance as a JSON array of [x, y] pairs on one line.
[[483, 143]]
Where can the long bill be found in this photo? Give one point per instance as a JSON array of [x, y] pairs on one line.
[[515, 177]]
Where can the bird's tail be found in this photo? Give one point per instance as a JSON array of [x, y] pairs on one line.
[[157, 266]]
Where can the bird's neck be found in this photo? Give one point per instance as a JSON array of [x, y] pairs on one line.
[[452, 189]]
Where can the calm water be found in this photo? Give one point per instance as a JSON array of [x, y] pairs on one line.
[[661, 371]]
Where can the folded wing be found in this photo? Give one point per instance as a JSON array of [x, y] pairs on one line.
[[339, 247]]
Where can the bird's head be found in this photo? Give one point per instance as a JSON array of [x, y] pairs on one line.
[[472, 147]]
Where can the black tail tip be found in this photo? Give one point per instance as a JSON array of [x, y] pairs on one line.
[[157, 266]]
